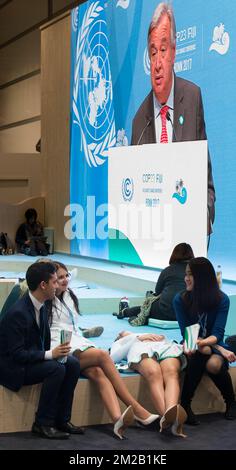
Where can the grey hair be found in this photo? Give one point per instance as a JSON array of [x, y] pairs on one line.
[[163, 9]]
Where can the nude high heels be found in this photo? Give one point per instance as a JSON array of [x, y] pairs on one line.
[[126, 419], [168, 418], [148, 420], [177, 426]]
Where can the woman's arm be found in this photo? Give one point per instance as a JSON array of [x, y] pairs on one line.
[[150, 337], [209, 341], [229, 355], [180, 313]]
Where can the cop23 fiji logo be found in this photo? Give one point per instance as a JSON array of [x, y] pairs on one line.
[[92, 91], [221, 40], [127, 189], [180, 192]]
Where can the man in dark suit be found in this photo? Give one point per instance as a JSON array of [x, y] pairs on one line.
[[173, 110], [26, 359]]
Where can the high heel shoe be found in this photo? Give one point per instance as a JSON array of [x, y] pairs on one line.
[[148, 420], [177, 426], [126, 419], [168, 418]]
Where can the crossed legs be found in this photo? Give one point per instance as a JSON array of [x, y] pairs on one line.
[[97, 365]]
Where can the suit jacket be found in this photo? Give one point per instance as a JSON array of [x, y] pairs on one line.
[[187, 103], [20, 342]]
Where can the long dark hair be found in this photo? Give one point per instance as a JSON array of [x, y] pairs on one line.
[[181, 252], [205, 295], [59, 265]]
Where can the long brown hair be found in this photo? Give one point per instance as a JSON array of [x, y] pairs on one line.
[[206, 295], [59, 265]]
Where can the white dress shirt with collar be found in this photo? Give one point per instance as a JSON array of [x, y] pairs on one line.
[[37, 305]]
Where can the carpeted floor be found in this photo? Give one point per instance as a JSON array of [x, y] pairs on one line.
[[214, 433]]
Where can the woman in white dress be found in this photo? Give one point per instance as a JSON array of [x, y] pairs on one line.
[[95, 363], [159, 360]]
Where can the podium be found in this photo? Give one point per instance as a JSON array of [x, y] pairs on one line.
[[157, 197]]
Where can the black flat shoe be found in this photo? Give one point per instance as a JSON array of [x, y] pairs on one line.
[[49, 432], [71, 428]]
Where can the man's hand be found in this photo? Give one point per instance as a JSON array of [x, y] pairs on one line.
[[61, 351]]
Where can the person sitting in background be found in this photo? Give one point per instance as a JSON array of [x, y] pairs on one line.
[[95, 363], [30, 238], [159, 360], [204, 303], [170, 281]]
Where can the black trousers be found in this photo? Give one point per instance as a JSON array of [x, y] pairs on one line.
[[58, 384], [154, 312], [195, 370], [132, 311]]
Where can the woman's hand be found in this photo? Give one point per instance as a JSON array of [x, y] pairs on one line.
[[189, 352], [61, 351], [229, 355], [150, 337]]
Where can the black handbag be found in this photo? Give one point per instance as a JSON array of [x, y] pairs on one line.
[[6, 245]]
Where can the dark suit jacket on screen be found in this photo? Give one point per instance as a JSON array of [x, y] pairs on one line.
[[187, 103]]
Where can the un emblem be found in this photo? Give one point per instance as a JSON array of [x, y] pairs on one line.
[[92, 93], [127, 189]]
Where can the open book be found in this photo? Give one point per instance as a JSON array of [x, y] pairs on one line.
[[190, 337]]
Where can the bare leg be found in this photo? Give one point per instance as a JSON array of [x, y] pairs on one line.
[[151, 371], [97, 357], [106, 391], [170, 371], [205, 350], [214, 364]]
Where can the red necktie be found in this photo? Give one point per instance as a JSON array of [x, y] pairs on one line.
[[164, 135]]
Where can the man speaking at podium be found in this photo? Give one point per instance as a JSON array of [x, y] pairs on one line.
[[173, 110]]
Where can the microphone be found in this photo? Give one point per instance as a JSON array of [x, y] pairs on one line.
[[149, 120], [169, 119]]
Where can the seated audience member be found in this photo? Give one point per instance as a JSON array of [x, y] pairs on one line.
[[159, 360], [30, 238], [204, 303], [95, 363], [170, 281], [26, 358]]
